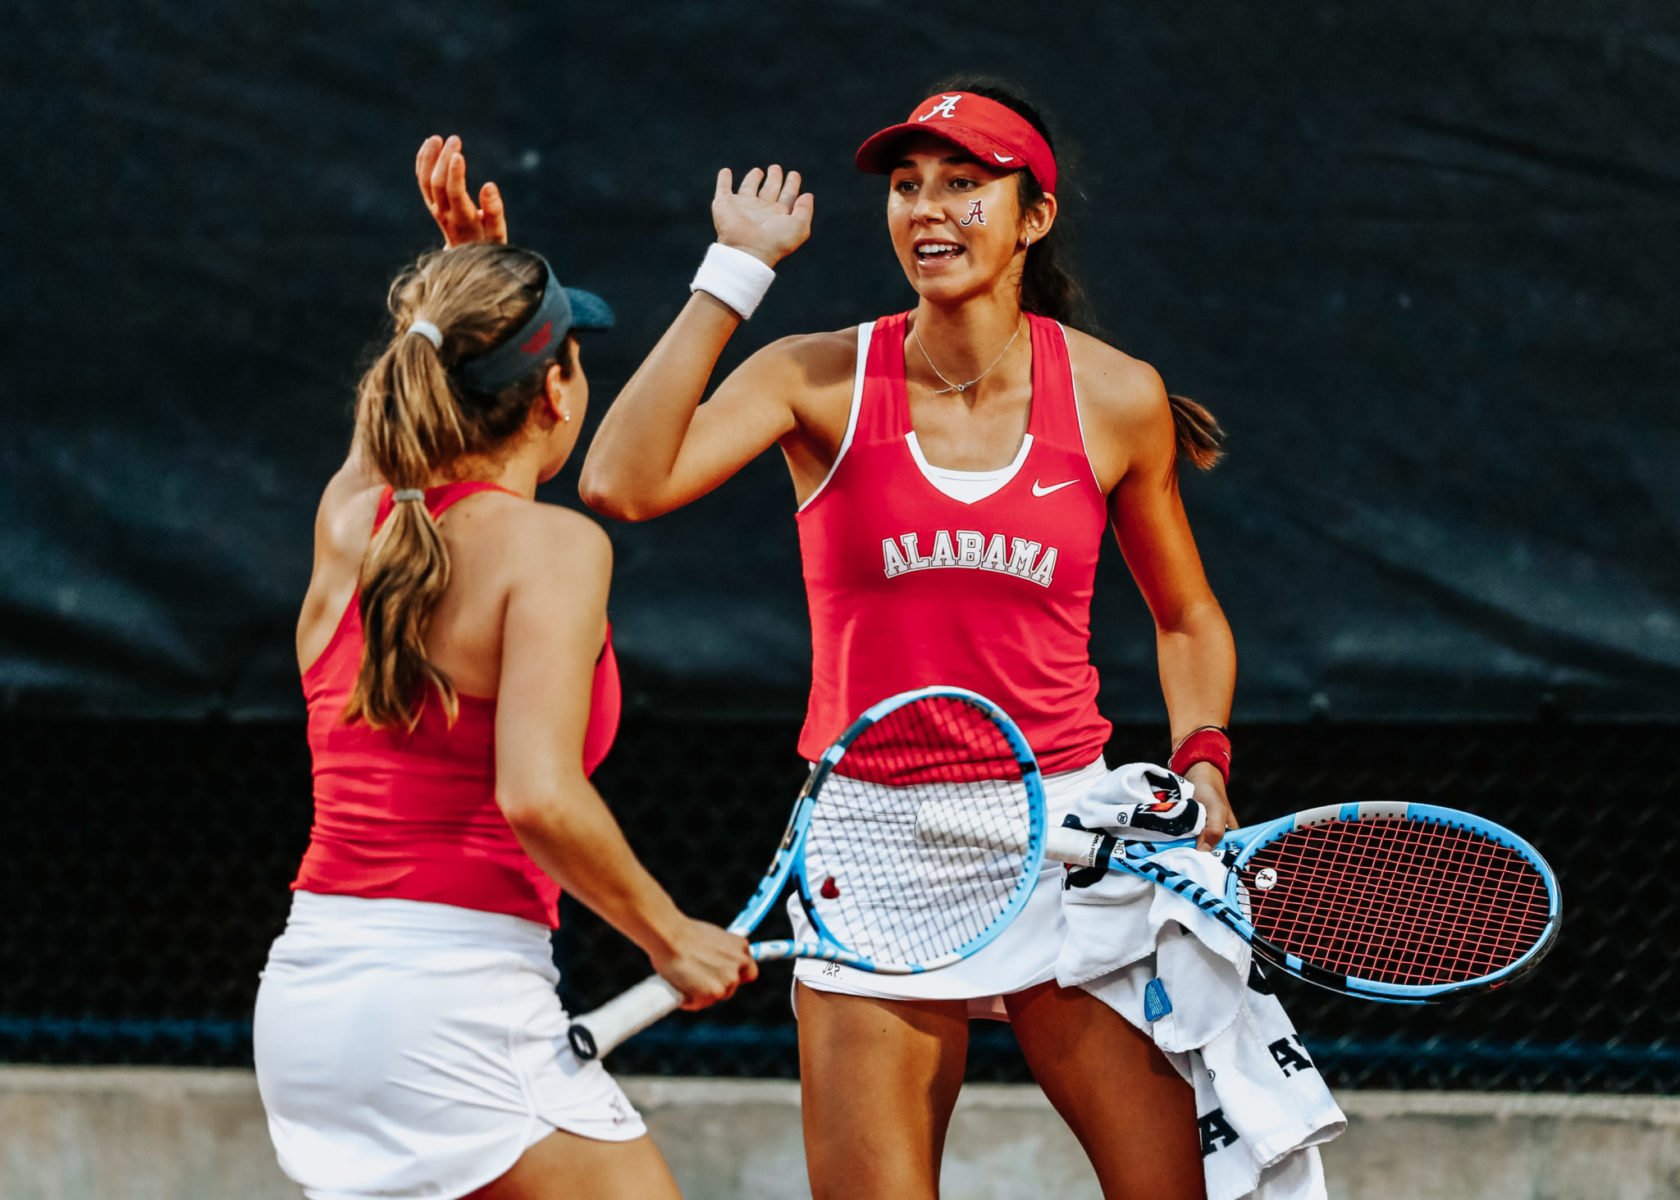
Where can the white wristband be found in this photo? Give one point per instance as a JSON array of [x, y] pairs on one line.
[[735, 277]]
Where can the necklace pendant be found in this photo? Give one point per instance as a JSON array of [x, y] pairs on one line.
[[963, 387]]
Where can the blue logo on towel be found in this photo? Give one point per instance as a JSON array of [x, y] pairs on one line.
[[1156, 1004]]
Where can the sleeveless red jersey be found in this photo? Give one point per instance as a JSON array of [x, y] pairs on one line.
[[414, 815], [909, 587]]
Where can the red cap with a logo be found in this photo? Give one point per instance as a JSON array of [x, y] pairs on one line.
[[994, 133]]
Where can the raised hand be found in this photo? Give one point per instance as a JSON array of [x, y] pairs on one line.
[[441, 170], [767, 216]]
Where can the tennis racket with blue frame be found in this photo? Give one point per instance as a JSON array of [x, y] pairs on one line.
[[879, 897], [1402, 903]]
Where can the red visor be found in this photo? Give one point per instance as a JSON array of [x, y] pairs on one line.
[[994, 133]]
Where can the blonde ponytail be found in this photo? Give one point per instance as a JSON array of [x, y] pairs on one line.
[[413, 420]]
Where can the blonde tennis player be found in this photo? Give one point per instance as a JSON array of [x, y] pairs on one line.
[[461, 686]]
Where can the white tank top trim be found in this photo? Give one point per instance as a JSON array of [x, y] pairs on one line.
[[1078, 416], [864, 332], [967, 487]]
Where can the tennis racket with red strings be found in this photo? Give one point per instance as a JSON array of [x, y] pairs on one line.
[[1403, 903]]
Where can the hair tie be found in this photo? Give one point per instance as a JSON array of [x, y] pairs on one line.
[[428, 331], [407, 494]]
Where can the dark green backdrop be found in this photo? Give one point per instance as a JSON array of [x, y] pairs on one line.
[[1420, 258]]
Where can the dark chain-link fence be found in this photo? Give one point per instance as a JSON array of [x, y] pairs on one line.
[[143, 872]]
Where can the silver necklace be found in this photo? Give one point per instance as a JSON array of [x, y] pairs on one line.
[[963, 387]]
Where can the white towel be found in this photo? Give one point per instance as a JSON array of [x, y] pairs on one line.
[[1188, 981]]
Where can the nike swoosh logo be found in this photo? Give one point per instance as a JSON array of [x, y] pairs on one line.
[[1003, 157], [1040, 490]]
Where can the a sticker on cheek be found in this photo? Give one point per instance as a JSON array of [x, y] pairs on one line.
[[976, 212]]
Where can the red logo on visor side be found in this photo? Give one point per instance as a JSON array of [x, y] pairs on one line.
[[540, 341]]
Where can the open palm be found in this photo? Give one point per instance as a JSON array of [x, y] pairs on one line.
[[767, 216]]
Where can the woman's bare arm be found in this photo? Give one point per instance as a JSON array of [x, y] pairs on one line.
[[1196, 655], [553, 629], [658, 447]]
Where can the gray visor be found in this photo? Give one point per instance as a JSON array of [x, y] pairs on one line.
[[561, 310]]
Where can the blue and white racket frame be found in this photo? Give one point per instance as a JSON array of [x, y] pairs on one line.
[[1240, 846], [594, 1034]]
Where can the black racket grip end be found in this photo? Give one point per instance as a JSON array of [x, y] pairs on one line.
[[583, 1042]]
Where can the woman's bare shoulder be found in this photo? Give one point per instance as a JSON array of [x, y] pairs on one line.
[[812, 360], [812, 374], [1112, 385], [344, 519], [1123, 409], [551, 539]]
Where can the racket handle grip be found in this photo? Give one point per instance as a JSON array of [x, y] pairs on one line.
[[597, 1034], [1078, 847], [953, 824]]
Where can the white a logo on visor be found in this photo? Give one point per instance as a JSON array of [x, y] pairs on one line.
[[947, 107]]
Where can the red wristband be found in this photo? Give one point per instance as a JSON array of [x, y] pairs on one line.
[[1209, 744]]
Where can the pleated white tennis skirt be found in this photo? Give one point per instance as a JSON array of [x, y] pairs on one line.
[[1022, 956], [407, 1049]]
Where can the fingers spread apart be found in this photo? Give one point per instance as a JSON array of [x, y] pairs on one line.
[[771, 184]]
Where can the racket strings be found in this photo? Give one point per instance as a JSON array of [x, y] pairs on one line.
[[873, 885], [1418, 922], [1397, 901], [1456, 880]]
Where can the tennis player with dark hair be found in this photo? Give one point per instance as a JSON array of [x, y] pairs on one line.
[[955, 468], [461, 687]]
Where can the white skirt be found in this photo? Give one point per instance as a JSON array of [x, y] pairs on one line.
[[407, 1049], [1022, 956]]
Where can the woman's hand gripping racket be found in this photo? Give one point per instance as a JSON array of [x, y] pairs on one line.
[[879, 897], [1404, 903]]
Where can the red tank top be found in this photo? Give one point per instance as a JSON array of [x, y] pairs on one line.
[[414, 816], [909, 587]]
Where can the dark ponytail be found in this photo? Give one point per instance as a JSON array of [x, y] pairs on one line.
[[1196, 432], [1049, 287]]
